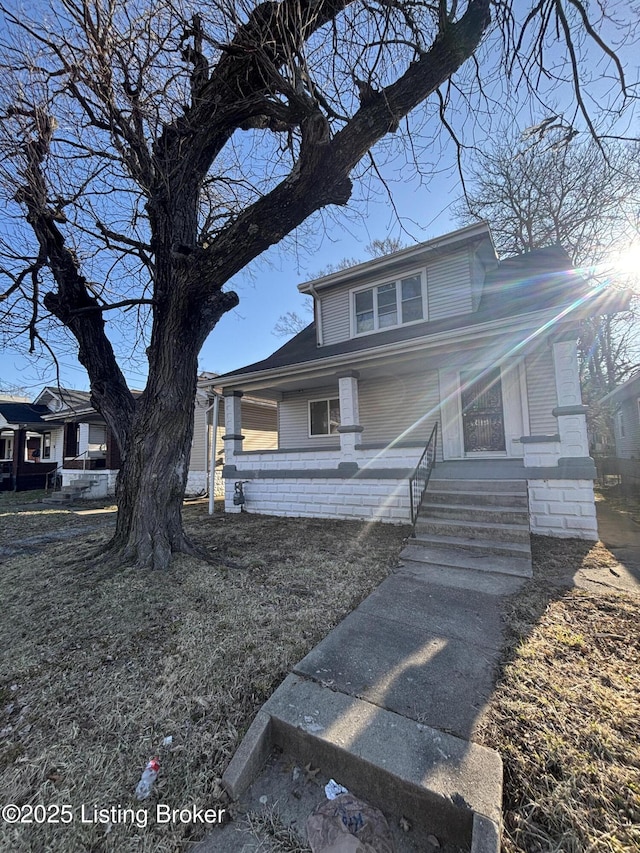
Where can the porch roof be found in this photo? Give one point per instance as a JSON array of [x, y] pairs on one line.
[[24, 415], [521, 287]]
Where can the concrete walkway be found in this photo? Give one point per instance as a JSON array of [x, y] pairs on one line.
[[389, 704], [621, 535]]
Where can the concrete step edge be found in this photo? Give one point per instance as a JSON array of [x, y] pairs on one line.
[[518, 565], [469, 577], [478, 485], [476, 525], [489, 512], [479, 499], [490, 546], [392, 762], [474, 531]]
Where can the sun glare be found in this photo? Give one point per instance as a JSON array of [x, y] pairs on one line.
[[627, 261]]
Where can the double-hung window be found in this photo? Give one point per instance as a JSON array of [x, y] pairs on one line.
[[324, 417], [394, 303]]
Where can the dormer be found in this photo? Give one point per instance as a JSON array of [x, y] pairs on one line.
[[431, 281]]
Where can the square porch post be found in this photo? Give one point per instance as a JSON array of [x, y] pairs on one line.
[[570, 412], [349, 428], [233, 437]]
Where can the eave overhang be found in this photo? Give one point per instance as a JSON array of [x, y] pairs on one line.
[[529, 326]]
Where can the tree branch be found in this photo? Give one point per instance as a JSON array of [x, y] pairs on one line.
[[321, 175]]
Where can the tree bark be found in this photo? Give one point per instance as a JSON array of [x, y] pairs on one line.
[[152, 480]]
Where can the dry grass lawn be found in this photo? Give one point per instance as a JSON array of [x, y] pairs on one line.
[[566, 712], [99, 667]]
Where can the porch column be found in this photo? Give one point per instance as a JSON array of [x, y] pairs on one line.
[[349, 428], [232, 438], [17, 463], [570, 413]]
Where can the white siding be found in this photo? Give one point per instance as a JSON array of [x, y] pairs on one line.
[[477, 280], [449, 286], [259, 428], [449, 292], [541, 392], [628, 445], [391, 406], [335, 317], [198, 459], [293, 420]]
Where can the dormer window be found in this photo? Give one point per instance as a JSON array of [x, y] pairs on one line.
[[394, 303]]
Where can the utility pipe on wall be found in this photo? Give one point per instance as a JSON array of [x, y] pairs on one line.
[[212, 450]]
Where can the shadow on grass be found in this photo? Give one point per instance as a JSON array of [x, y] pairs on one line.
[[562, 711]]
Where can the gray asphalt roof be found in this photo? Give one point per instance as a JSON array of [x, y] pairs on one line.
[[540, 279], [23, 413]]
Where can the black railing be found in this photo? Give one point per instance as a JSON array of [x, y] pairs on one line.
[[419, 480], [54, 477]]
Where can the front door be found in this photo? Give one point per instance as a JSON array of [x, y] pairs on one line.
[[483, 413]]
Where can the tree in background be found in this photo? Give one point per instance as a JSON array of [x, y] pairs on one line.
[[542, 189], [150, 151]]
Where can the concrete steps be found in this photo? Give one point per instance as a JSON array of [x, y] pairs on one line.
[[72, 492], [474, 524]]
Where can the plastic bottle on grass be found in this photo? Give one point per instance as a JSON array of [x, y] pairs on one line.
[[147, 779]]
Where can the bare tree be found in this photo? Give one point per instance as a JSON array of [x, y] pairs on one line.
[[290, 324], [541, 189], [155, 148]]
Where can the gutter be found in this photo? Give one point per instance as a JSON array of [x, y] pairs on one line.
[[317, 314], [302, 368]]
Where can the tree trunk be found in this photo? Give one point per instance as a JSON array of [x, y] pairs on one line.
[[152, 480]]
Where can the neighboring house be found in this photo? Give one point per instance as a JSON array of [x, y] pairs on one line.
[[626, 422], [53, 438], [26, 447], [440, 333], [60, 434], [259, 418]]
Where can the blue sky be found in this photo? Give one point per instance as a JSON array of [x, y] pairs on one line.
[[269, 288]]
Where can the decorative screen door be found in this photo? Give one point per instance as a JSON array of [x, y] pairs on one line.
[[483, 413]]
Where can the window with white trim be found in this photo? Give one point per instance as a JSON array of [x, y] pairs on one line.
[[6, 447], [324, 417], [394, 303]]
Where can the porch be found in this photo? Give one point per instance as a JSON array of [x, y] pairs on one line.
[[337, 471], [25, 462]]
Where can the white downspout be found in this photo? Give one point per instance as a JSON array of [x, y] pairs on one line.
[[317, 314], [212, 450]]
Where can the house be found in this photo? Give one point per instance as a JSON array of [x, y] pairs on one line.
[[442, 333], [26, 448], [60, 435], [52, 439], [626, 422]]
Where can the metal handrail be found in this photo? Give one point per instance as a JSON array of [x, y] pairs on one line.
[[419, 479], [53, 475]]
